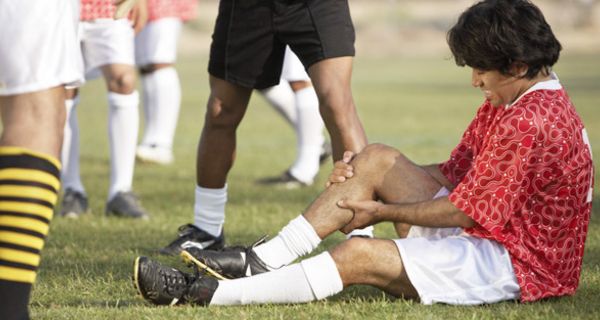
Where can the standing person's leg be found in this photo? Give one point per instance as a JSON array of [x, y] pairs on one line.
[[156, 52], [108, 47], [32, 98]]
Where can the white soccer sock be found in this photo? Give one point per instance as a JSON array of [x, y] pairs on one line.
[[123, 124], [281, 97], [294, 240], [313, 279], [70, 175], [309, 132], [365, 232], [209, 209], [162, 100]]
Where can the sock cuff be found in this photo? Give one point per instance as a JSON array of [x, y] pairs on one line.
[[307, 229], [322, 275], [18, 157], [118, 100]]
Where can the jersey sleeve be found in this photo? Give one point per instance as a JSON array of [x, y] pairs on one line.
[[494, 187]]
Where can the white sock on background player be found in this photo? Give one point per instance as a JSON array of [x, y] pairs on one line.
[[281, 98], [162, 100], [70, 175], [123, 125], [309, 132]]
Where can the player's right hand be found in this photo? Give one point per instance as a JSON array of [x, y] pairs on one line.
[[342, 169]]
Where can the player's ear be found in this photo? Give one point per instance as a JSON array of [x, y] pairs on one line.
[[519, 69]]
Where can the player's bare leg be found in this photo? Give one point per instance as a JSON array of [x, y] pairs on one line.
[[332, 81]]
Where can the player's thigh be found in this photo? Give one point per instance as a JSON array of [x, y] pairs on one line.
[[34, 120], [375, 262]]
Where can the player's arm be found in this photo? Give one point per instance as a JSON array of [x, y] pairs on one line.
[[437, 213]]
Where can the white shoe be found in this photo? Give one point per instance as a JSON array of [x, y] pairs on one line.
[[154, 154]]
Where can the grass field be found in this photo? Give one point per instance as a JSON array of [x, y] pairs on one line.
[[419, 105]]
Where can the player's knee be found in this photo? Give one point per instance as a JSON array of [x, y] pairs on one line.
[[123, 83], [221, 115], [378, 156], [347, 252]]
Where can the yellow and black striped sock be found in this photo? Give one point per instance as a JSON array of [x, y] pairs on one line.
[[29, 184]]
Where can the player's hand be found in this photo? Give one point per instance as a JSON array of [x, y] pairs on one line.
[[342, 170], [139, 15], [366, 213]]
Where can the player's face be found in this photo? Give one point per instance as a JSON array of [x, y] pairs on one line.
[[498, 89]]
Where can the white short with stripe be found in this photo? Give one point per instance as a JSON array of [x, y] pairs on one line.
[[38, 45], [157, 42], [104, 42], [446, 265], [293, 69]]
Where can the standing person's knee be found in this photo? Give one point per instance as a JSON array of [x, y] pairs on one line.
[[122, 82], [223, 115]]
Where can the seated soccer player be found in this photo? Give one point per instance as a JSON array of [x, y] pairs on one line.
[[504, 218]]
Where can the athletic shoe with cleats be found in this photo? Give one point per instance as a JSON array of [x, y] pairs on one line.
[[162, 285], [286, 180], [154, 154], [229, 263], [126, 204], [190, 236], [74, 204]]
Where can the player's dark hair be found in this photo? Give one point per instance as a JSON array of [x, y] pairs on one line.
[[494, 34]]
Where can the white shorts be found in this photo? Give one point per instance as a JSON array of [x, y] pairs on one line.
[[105, 41], [293, 69], [447, 265], [38, 45], [157, 42]]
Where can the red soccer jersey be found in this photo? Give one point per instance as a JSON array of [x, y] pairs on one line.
[[524, 173], [183, 9], [97, 9]]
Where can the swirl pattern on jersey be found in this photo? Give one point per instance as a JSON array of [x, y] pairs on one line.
[[523, 174]]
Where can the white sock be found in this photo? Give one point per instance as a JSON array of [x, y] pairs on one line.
[[123, 124], [209, 209], [313, 279], [162, 100], [70, 175], [309, 132], [281, 97], [365, 232], [293, 241]]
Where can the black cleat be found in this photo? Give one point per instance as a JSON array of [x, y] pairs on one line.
[[74, 203], [126, 204], [162, 285], [230, 263], [190, 236], [159, 284]]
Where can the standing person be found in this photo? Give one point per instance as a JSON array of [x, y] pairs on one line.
[[38, 56], [296, 100], [107, 50], [155, 54], [247, 53], [504, 218]]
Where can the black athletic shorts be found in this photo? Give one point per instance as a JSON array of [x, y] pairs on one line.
[[250, 36]]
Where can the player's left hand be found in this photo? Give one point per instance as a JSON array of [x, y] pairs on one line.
[[366, 213]]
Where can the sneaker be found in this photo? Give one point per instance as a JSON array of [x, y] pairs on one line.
[[154, 154], [286, 180], [230, 263], [74, 204], [126, 204], [189, 236], [162, 285], [326, 152]]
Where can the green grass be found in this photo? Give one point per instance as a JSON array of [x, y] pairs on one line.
[[420, 106]]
